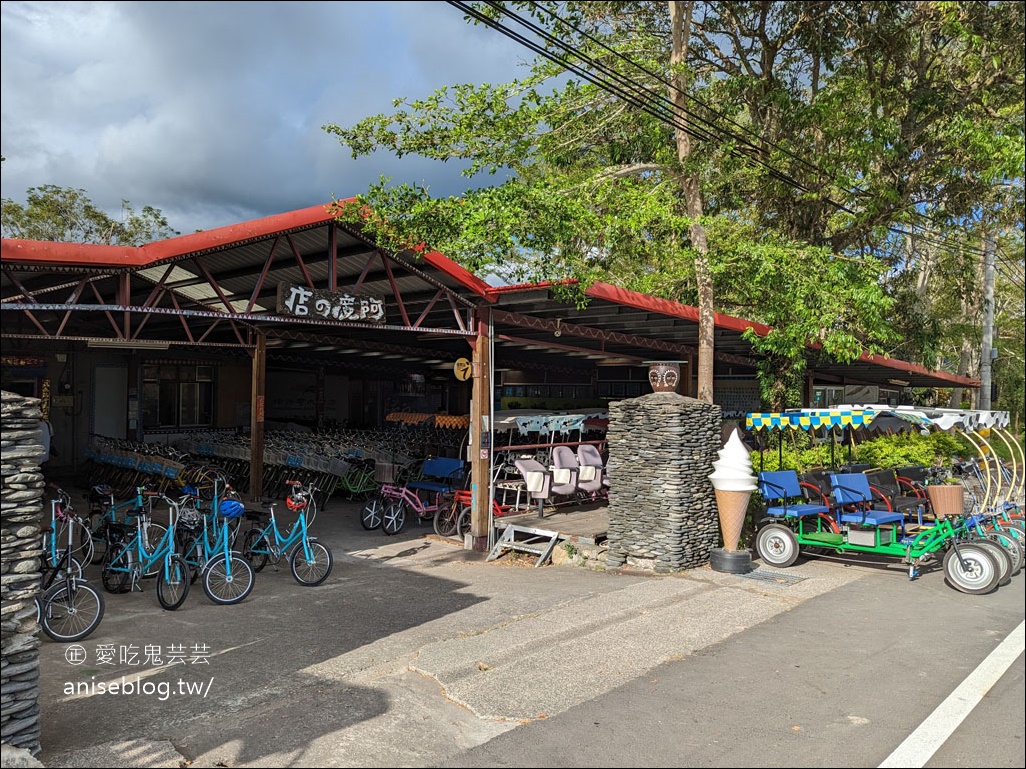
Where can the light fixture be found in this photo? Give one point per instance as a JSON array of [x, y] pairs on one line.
[[128, 344], [898, 382], [558, 331]]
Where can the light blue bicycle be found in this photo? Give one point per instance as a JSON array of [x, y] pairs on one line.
[[127, 561], [206, 539], [310, 560]]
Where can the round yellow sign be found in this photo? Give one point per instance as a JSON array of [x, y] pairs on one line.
[[462, 369]]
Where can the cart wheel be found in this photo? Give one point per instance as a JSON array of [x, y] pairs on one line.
[[975, 572], [777, 545], [370, 516], [394, 517]]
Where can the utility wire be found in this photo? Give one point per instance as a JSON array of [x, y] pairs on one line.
[[617, 88], [657, 105]]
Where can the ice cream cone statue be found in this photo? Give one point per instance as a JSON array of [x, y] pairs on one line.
[[733, 483]]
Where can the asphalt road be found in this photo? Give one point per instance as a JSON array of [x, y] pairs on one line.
[[415, 652]]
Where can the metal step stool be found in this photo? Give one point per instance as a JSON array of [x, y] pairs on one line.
[[524, 539]]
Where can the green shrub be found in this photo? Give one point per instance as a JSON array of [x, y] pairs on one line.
[[797, 452]]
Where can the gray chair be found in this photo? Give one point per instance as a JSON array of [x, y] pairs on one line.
[[588, 456]]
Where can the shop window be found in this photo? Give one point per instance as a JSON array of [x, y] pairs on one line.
[[177, 396], [826, 397]]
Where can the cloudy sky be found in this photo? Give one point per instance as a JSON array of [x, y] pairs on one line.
[[212, 112]]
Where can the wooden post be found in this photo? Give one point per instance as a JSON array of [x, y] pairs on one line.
[[480, 431], [256, 434]]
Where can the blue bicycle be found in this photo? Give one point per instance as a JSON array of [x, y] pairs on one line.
[[108, 519], [127, 560], [309, 560], [205, 542]]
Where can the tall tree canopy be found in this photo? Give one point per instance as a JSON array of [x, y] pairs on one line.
[[782, 154], [68, 215]]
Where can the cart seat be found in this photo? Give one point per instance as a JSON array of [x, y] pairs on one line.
[[783, 487], [440, 474], [851, 491]]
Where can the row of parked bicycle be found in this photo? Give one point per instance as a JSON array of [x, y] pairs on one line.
[[176, 538]]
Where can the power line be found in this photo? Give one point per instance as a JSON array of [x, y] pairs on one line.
[[618, 89], [652, 107]]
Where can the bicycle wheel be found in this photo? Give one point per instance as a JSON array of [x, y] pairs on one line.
[[446, 519], [173, 582], [315, 569], [228, 581], [154, 536], [463, 523], [1012, 546], [371, 514], [70, 610], [255, 549], [393, 518], [777, 545], [116, 568]]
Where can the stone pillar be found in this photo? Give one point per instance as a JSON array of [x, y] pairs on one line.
[[662, 508], [21, 506]]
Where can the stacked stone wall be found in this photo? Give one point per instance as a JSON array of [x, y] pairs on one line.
[[662, 506], [21, 506]]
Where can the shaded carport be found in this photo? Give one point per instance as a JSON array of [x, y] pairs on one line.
[[238, 290]]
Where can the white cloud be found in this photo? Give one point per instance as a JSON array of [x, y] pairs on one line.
[[212, 112]]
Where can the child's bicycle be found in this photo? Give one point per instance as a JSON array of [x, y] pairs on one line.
[[309, 560], [453, 520]]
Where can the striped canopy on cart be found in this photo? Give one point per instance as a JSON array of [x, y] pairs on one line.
[[812, 419]]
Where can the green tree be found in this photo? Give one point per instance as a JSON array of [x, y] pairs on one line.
[[67, 215], [836, 127]]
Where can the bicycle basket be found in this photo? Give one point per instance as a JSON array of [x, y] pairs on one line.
[[231, 508]]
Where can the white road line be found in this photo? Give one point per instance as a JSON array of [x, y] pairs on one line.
[[920, 746]]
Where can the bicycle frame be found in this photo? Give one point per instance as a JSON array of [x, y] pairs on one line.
[[110, 511], [208, 545], [135, 559], [281, 543], [421, 507]]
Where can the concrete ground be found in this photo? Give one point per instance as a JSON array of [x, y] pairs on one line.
[[411, 652]]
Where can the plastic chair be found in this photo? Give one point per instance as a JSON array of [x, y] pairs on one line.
[[539, 479], [565, 471], [588, 456], [564, 458]]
